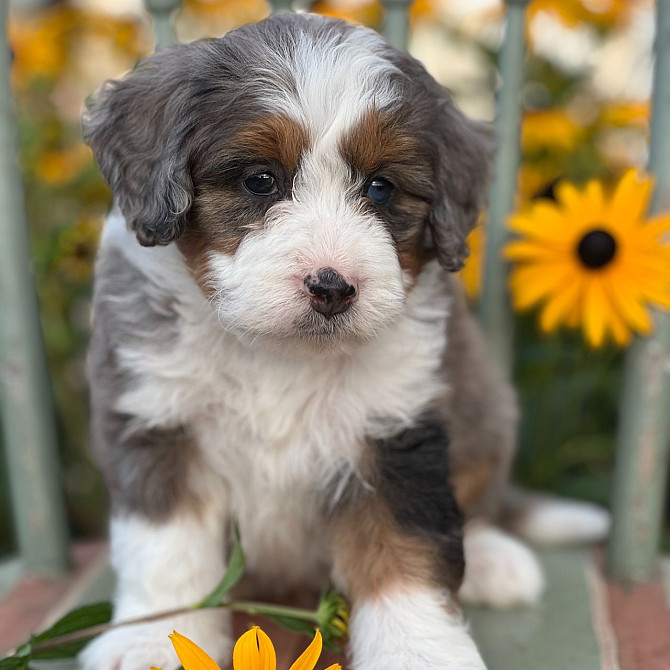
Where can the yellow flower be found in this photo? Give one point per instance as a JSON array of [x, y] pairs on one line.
[[471, 274], [39, 42], [364, 12], [253, 651], [62, 166], [593, 260], [600, 13], [621, 114], [549, 129]]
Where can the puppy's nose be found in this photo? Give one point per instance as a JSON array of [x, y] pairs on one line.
[[330, 293]]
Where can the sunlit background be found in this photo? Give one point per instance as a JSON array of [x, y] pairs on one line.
[[586, 102]]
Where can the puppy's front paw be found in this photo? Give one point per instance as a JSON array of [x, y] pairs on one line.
[[420, 630], [143, 646]]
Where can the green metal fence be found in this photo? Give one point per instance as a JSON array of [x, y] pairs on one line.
[[643, 438]]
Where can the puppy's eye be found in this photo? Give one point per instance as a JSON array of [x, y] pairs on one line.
[[262, 183], [379, 190]]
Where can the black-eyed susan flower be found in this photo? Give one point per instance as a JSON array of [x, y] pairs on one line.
[[253, 651], [593, 260]]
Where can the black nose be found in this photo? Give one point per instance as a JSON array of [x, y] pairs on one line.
[[330, 293]]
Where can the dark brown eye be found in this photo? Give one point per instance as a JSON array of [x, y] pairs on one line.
[[262, 183], [379, 190]]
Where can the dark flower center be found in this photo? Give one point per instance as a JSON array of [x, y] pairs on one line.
[[596, 249]]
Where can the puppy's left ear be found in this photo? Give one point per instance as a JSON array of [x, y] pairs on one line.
[[465, 149]]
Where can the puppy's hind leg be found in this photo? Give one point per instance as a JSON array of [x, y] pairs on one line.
[[500, 571]]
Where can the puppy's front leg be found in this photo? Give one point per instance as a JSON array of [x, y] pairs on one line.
[[163, 565], [398, 556]]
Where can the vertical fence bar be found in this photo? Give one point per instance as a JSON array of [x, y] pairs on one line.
[[494, 310], [162, 12], [25, 395], [644, 428], [279, 6], [395, 27]]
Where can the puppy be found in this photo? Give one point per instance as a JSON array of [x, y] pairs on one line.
[[284, 348]]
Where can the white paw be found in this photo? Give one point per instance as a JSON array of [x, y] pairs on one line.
[[555, 522], [143, 646], [500, 571], [418, 629]]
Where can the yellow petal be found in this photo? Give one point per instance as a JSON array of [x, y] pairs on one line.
[[568, 195], [190, 654], [544, 222], [560, 306], [310, 656], [335, 666], [522, 251], [628, 305], [254, 651], [620, 331], [529, 284], [595, 311], [631, 198], [593, 202]]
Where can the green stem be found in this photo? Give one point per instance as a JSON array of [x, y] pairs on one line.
[[271, 610], [247, 607]]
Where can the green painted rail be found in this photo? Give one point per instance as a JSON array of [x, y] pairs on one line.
[[644, 431], [495, 313], [25, 396]]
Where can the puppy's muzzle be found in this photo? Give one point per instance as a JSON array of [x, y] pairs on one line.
[[329, 292]]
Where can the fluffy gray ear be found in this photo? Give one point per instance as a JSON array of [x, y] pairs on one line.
[[462, 152], [138, 128], [465, 151]]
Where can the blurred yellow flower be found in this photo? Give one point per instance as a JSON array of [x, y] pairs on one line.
[[39, 43], [198, 18], [622, 114], [471, 274], [253, 651], [593, 260], [600, 13], [364, 12], [59, 167], [549, 129]]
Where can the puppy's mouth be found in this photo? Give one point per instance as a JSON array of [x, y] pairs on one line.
[[322, 324]]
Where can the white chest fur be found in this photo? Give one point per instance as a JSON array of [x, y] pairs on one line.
[[274, 428]]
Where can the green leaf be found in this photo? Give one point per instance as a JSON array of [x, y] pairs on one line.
[[79, 619], [14, 663], [294, 625], [236, 566], [76, 621], [65, 650]]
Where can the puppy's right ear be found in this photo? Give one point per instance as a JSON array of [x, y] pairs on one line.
[[138, 128]]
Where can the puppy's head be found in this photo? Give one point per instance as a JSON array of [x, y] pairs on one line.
[[305, 169]]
